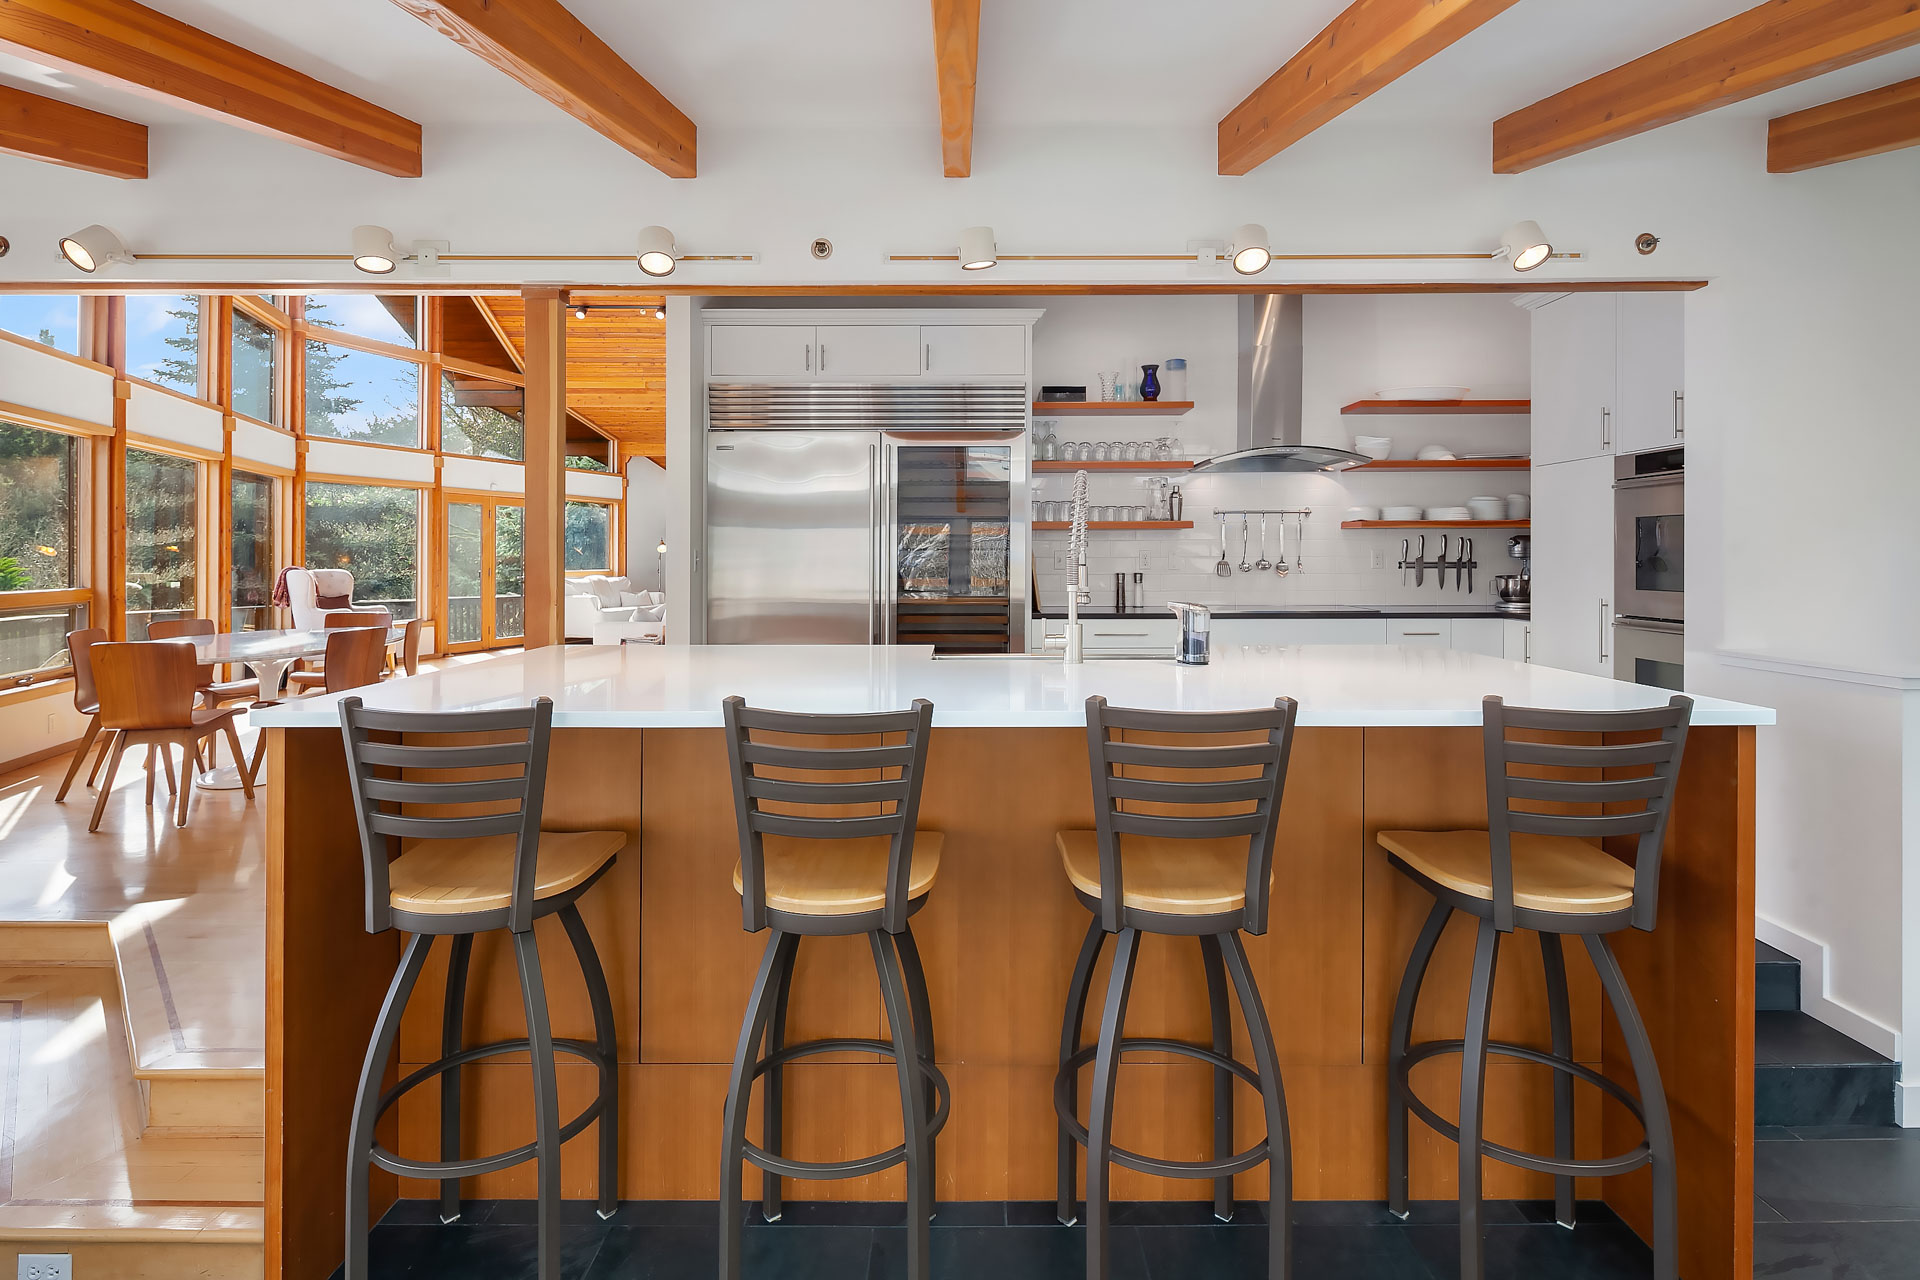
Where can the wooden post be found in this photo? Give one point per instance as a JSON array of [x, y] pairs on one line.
[[108, 343], [546, 476]]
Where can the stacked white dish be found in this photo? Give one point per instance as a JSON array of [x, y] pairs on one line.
[[1435, 453], [1363, 513], [1485, 508], [1449, 513], [1403, 513]]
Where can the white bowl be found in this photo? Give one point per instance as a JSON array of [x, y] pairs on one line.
[[1375, 447], [1519, 506], [1363, 513], [1423, 393], [1435, 453]]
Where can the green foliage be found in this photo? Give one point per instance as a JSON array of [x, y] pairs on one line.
[[46, 338], [35, 507], [580, 462], [373, 532], [328, 402], [183, 371], [589, 529], [162, 564], [12, 576]]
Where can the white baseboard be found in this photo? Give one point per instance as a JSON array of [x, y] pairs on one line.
[[1906, 1104], [1818, 1004]]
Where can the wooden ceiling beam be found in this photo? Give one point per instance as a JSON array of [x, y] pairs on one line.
[[1369, 46], [956, 53], [128, 46], [61, 133], [553, 53], [1768, 47], [1867, 124]]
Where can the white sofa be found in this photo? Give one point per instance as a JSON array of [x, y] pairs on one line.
[[596, 600]]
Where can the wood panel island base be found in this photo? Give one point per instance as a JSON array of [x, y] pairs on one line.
[[1389, 738]]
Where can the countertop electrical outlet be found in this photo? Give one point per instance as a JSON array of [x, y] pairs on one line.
[[46, 1266]]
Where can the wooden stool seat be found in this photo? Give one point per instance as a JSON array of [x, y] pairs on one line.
[[451, 877], [1550, 873], [1174, 877], [841, 877]]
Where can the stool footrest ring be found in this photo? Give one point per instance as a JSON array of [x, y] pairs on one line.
[[1064, 1092], [786, 1167], [1602, 1167], [437, 1169]]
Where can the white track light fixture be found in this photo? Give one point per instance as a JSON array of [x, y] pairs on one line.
[[1250, 250], [1525, 245], [656, 254], [977, 250], [373, 250], [92, 248]]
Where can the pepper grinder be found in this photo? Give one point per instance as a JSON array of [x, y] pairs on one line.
[[1119, 593], [1139, 591]]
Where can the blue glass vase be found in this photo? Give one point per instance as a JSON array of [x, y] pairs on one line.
[[1149, 382]]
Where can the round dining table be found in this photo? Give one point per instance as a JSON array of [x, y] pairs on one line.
[[269, 653]]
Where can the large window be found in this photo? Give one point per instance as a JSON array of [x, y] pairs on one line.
[[384, 317], [50, 319], [255, 369], [356, 395], [253, 566], [162, 539], [481, 417], [589, 536], [37, 509], [373, 532], [163, 340]]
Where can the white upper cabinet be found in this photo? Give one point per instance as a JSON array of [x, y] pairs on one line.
[[1575, 348], [1573, 565], [867, 351], [1652, 380], [974, 350], [761, 350]]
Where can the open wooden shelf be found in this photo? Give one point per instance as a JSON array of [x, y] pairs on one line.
[[1446, 464], [1438, 406], [1110, 408], [1056, 464], [1436, 524], [1042, 526]]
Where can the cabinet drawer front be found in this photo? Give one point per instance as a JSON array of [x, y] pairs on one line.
[[974, 350], [1420, 633], [1131, 634]]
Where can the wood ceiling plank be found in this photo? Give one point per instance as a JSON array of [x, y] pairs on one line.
[[1867, 124], [1767, 47], [61, 133], [956, 52], [547, 49], [1369, 46], [128, 46]]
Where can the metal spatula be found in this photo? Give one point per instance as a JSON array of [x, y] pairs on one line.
[[1225, 568]]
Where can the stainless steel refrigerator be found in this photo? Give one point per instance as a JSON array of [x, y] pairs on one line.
[[868, 515]]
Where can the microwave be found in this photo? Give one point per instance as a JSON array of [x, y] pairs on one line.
[[1650, 536]]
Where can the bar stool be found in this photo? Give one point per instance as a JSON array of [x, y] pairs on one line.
[[1202, 874], [824, 874], [1537, 870], [461, 875]]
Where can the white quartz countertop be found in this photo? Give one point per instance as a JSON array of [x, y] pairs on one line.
[[654, 686]]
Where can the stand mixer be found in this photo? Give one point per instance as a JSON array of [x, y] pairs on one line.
[[1513, 592]]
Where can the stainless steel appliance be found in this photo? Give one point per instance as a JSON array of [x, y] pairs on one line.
[[868, 514], [1649, 568]]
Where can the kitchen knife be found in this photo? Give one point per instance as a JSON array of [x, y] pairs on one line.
[[1466, 563], [1420, 565], [1440, 579], [1405, 551]]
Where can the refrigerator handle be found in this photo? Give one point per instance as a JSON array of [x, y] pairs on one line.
[[873, 537]]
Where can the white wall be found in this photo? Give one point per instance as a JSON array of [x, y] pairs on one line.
[[648, 506]]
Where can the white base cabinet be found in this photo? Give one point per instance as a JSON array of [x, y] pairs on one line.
[[1573, 565]]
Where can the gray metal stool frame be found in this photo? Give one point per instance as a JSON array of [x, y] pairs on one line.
[[389, 805], [925, 1097], [1653, 769], [1221, 950]]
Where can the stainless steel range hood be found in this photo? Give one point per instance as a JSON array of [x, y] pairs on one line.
[[1269, 419]]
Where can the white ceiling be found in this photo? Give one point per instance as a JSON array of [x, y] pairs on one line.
[[771, 64]]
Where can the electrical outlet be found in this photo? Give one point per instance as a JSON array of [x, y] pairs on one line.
[[46, 1266], [1378, 559], [1059, 559], [1146, 560]]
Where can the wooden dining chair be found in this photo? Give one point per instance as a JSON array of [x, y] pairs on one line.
[[147, 690], [86, 700], [343, 619], [355, 656], [213, 691], [410, 647]]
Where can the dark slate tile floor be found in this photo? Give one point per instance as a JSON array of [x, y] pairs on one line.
[[1831, 1204]]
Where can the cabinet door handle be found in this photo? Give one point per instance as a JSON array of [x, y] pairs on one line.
[[928, 367], [809, 357], [1606, 428], [1114, 635], [1605, 630], [1526, 644], [1679, 414], [1419, 633], [823, 357]]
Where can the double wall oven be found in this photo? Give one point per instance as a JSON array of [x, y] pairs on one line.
[[1649, 570]]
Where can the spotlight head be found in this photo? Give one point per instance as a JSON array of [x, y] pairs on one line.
[[373, 250], [579, 311], [662, 548], [1249, 249], [977, 250], [1525, 245], [660, 313], [656, 252], [91, 248]]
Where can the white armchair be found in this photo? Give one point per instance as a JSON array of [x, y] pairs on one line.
[[314, 593]]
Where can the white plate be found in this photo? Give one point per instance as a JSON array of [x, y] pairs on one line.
[[1424, 393]]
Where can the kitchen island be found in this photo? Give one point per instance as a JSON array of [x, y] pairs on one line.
[[1388, 738]]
